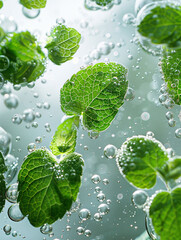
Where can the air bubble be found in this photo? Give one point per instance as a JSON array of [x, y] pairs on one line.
[[84, 214], [140, 198], [97, 217], [178, 133], [11, 101], [7, 229], [80, 230], [14, 213], [87, 233], [30, 13], [103, 209], [4, 63], [31, 147], [28, 115], [110, 151], [12, 193], [46, 229], [96, 179]]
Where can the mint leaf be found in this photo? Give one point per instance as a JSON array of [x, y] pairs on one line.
[[2, 34], [33, 3], [64, 140], [170, 64], [46, 188], [173, 169], [162, 24], [2, 182], [1, 4], [103, 2], [97, 93], [62, 44], [27, 61], [165, 212], [140, 159]]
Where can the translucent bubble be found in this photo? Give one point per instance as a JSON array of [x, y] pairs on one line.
[[5, 142], [139, 198], [120, 196], [170, 152], [18, 138], [38, 139], [97, 189], [93, 135], [31, 85], [145, 116], [80, 230], [6, 89], [30, 13], [129, 19], [14, 213], [8, 24], [103, 209], [17, 119], [34, 124], [104, 48], [172, 122], [1, 81], [28, 115], [14, 234], [95, 54], [110, 151], [105, 181], [178, 133], [12, 193], [7, 229], [11, 101], [12, 167], [150, 134], [84, 214], [46, 105], [31, 147], [60, 20], [169, 103], [87, 233], [84, 24], [169, 115], [97, 217], [46, 229], [101, 197], [4, 63], [96, 179], [75, 206], [17, 87]]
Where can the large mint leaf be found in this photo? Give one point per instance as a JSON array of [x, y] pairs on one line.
[[64, 140], [33, 3], [27, 61], [103, 2], [140, 159], [97, 93], [171, 65], [165, 212], [2, 182], [62, 44], [162, 24], [46, 188]]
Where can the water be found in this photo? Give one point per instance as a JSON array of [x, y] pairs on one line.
[[105, 37]]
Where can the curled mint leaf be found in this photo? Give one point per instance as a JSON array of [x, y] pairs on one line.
[[62, 44], [103, 2], [64, 140], [27, 61], [2, 182], [140, 159], [96, 93], [33, 3], [170, 64], [48, 188], [162, 24], [165, 212]]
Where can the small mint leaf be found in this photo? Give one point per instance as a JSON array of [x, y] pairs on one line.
[[97, 93], [162, 24], [48, 188], [165, 212], [2, 182], [140, 159], [62, 44], [36, 4], [27, 61], [103, 2], [64, 140], [170, 64]]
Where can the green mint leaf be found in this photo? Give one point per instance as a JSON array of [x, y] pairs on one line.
[[173, 169], [170, 64], [1, 4], [97, 93], [140, 159], [165, 212], [2, 34], [103, 2], [2, 182], [27, 61], [62, 44], [162, 24], [64, 140], [48, 188], [33, 3]]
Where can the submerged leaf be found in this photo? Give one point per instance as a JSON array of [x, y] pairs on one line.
[[97, 93], [33, 3], [46, 188]]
